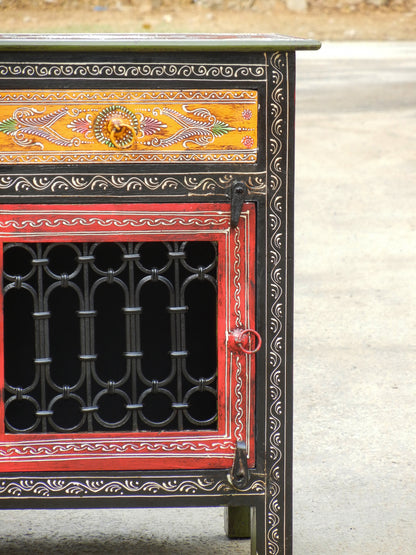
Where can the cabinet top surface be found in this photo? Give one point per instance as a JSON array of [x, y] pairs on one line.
[[155, 42]]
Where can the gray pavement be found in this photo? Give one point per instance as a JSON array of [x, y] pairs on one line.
[[355, 348], [355, 341]]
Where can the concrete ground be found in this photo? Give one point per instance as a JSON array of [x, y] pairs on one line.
[[355, 340], [355, 350]]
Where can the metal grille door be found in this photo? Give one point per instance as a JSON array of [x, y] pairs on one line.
[[127, 336]]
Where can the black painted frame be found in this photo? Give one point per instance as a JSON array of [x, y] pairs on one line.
[[270, 183]]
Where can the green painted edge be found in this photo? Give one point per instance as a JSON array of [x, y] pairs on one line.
[[155, 42]]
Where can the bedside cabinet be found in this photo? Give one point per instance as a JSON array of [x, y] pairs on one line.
[[146, 237]]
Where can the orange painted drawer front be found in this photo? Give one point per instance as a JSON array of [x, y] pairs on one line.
[[136, 126]]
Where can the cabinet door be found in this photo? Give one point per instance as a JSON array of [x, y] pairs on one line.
[[128, 336]]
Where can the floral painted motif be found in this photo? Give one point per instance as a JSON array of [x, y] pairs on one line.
[[247, 114], [150, 126], [247, 141], [82, 125], [200, 130], [27, 123]]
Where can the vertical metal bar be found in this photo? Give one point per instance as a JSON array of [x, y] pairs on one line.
[[42, 342], [86, 324], [180, 345], [138, 369], [131, 316], [182, 322]]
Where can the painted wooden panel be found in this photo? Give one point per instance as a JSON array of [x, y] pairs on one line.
[[156, 449], [118, 126]]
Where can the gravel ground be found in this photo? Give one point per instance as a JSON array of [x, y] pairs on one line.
[[324, 20]]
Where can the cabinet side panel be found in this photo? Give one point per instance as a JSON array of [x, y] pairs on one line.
[[278, 391]]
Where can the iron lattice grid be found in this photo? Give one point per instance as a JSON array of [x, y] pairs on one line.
[[117, 336]]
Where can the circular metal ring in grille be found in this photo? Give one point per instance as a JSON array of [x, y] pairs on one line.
[[118, 336]]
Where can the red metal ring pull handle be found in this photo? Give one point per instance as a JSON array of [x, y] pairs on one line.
[[240, 341], [241, 338]]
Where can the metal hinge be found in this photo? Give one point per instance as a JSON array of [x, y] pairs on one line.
[[239, 474], [238, 196]]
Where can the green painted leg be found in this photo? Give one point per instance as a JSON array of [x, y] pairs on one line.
[[237, 522], [258, 525]]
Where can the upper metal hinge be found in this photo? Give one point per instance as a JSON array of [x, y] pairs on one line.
[[238, 196]]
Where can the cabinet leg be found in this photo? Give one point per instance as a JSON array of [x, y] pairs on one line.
[[237, 522], [258, 530]]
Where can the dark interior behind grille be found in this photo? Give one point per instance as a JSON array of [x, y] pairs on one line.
[[110, 336]]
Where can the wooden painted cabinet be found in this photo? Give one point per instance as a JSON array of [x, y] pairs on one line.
[[146, 238]]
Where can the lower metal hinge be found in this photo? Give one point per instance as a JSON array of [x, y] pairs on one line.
[[239, 475]]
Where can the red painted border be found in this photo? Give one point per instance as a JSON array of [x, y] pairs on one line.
[[149, 450]]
